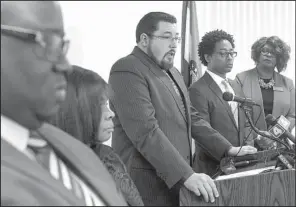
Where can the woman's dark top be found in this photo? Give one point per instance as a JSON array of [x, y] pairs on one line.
[[117, 169], [267, 96]]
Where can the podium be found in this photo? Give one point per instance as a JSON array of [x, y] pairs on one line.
[[275, 188]]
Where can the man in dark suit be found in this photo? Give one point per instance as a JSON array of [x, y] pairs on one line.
[[216, 51], [154, 121], [33, 85]]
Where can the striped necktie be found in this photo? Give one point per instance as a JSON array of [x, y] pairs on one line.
[[233, 105], [47, 158]]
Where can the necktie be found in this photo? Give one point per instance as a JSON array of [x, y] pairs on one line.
[[177, 91], [47, 158], [232, 104]]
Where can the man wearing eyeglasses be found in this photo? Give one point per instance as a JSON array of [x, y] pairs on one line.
[[154, 121], [216, 51], [40, 164]]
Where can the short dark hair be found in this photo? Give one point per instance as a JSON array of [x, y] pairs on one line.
[[80, 114], [208, 42], [282, 51], [149, 23]]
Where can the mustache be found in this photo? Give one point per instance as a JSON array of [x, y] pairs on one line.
[[173, 52]]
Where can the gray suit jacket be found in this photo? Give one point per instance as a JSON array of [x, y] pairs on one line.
[[284, 96], [25, 182], [206, 97], [152, 133]]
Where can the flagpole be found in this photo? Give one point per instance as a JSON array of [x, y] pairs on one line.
[[184, 64], [190, 63]]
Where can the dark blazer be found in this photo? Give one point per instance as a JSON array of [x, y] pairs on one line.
[[25, 182], [152, 133], [206, 97], [284, 96]]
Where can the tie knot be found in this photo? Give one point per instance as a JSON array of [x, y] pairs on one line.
[[225, 81], [226, 86], [35, 141]]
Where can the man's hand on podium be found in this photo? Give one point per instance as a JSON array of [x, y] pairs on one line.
[[202, 184], [241, 151]]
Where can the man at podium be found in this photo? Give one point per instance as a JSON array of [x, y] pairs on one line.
[[217, 52]]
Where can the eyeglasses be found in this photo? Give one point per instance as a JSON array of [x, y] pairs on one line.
[[266, 51], [54, 46], [227, 54], [168, 38]]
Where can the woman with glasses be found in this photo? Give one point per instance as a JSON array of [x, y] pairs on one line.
[[85, 115], [265, 85]]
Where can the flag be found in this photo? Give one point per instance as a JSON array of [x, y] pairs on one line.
[[190, 63]]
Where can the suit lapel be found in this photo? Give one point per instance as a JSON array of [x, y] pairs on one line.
[[184, 94], [217, 91], [280, 94], [167, 82], [180, 83], [17, 160], [159, 73], [95, 176], [256, 95]]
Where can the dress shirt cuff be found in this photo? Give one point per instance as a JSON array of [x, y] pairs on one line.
[[227, 150], [181, 182]]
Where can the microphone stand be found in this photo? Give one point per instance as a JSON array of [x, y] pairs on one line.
[[247, 110]]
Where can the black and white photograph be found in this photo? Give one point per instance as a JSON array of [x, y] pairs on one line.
[[148, 103]]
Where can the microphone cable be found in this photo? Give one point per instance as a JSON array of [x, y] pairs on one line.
[[219, 172]]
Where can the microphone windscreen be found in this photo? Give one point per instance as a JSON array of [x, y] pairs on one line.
[[227, 96], [270, 119]]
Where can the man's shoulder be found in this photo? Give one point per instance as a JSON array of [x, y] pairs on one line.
[[285, 79], [245, 73], [129, 63], [64, 140], [199, 84], [51, 130]]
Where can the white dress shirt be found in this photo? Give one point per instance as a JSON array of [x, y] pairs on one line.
[[18, 136], [14, 133], [233, 105]]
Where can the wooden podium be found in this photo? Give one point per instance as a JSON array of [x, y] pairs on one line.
[[275, 188], [268, 189]]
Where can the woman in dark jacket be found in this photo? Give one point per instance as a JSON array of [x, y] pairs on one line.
[[86, 115]]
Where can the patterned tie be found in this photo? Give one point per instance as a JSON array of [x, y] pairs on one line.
[[47, 158], [177, 91], [232, 104]]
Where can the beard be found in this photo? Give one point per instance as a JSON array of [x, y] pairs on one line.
[[50, 118], [163, 64]]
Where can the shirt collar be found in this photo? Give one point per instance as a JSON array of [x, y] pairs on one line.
[[219, 80], [14, 133], [216, 78]]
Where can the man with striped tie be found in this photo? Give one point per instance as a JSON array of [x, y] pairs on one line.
[[47, 166]]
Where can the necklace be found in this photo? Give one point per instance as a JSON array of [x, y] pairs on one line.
[[268, 85]]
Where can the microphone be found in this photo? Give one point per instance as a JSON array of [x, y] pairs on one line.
[[279, 127], [244, 163], [284, 162], [264, 133], [227, 96]]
